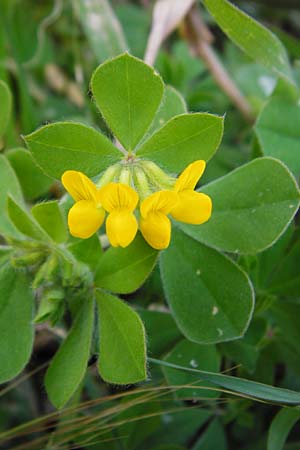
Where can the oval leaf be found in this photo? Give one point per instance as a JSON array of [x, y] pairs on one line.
[[278, 132], [253, 38], [205, 311], [71, 146], [128, 94], [50, 218], [252, 206], [188, 353], [184, 139], [16, 314], [123, 270], [69, 364], [122, 341]]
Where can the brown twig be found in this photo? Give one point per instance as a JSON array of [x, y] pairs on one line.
[[200, 38]]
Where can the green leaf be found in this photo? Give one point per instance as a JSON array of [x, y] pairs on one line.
[[253, 38], [123, 270], [278, 132], [252, 207], [69, 364], [205, 310], [102, 28], [33, 181], [16, 330], [88, 251], [122, 341], [184, 139], [71, 146], [24, 222], [50, 218], [5, 110], [9, 185], [128, 94], [281, 426], [190, 354], [172, 105], [248, 388]]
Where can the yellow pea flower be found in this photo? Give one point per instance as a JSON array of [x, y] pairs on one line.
[[192, 207], [155, 226], [86, 215], [119, 200]]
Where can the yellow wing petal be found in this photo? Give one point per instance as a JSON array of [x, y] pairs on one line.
[[79, 186], [121, 228], [85, 219], [161, 201], [156, 229], [116, 196], [193, 207], [190, 176]]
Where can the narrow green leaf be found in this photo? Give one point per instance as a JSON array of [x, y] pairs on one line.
[[128, 94], [278, 132], [253, 38], [5, 110], [33, 181], [50, 218], [16, 330], [252, 207], [213, 437], [242, 386], [24, 222], [102, 28], [71, 146], [281, 425], [69, 364], [9, 185], [184, 139], [122, 341], [123, 270], [188, 353], [205, 311]]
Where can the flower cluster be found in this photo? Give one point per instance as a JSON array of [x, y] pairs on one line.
[[120, 199]]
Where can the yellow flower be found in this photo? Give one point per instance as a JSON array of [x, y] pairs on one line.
[[155, 226], [120, 201], [192, 207], [87, 215]]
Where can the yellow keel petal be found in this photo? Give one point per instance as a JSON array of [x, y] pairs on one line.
[[85, 219], [156, 229], [193, 207], [121, 228]]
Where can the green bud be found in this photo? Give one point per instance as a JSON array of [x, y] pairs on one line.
[[46, 272], [109, 175], [29, 259], [141, 183], [25, 244], [157, 175], [50, 304], [125, 176]]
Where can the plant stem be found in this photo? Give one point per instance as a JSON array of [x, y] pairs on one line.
[[199, 38]]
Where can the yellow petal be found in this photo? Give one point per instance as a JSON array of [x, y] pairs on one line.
[[115, 196], [193, 207], [190, 176], [121, 228], [156, 229], [161, 201], [79, 186], [85, 219]]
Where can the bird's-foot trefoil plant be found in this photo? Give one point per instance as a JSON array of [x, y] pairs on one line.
[[133, 201]]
